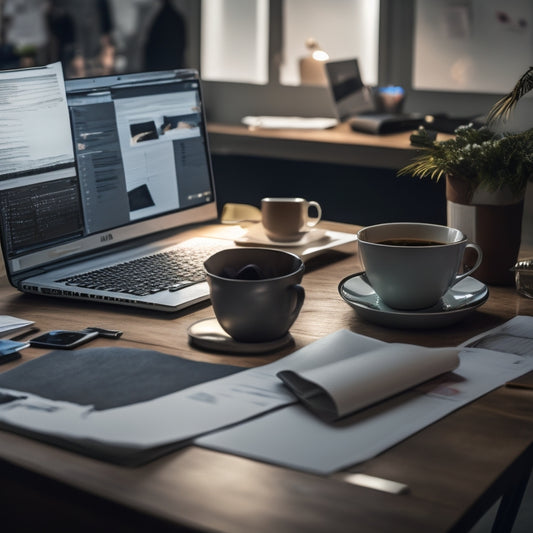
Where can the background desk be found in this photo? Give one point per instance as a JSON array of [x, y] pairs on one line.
[[352, 174], [455, 469], [338, 145]]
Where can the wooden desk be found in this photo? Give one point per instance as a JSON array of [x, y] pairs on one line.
[[339, 145], [455, 469]]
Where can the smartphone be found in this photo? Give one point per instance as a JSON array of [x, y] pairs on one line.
[[63, 339]]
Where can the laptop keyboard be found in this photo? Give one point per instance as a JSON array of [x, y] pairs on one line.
[[169, 270]]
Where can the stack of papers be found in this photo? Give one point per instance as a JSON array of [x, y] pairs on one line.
[[10, 325], [354, 383], [295, 437], [295, 123]]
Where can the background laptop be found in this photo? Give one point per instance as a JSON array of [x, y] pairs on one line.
[[139, 164], [354, 102]]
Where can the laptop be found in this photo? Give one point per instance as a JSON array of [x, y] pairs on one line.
[[95, 172], [355, 103]]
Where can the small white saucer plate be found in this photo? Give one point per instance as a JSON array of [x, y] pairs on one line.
[[460, 300], [313, 242], [255, 234]]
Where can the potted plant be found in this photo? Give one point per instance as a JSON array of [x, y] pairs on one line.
[[486, 172]]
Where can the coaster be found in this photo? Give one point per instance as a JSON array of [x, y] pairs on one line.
[[208, 334]]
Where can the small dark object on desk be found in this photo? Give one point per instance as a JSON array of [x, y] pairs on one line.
[[67, 340], [523, 271], [106, 333], [423, 137], [383, 123], [10, 350], [443, 123], [62, 339], [8, 357], [20, 336]]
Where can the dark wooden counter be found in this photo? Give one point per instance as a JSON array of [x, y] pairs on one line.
[[455, 469]]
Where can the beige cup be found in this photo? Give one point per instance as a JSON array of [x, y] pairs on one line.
[[286, 219], [412, 265]]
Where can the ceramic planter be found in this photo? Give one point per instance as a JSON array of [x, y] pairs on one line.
[[491, 219]]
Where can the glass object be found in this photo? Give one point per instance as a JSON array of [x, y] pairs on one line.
[[523, 271]]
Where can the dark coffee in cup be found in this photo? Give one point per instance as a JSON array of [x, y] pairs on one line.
[[410, 242]]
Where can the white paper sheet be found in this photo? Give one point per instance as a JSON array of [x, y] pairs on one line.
[[11, 324], [295, 438], [171, 418], [298, 123], [515, 336]]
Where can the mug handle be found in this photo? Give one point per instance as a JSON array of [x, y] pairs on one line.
[[478, 261], [300, 296], [313, 221]]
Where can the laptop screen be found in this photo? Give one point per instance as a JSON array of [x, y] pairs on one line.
[[349, 94], [142, 166]]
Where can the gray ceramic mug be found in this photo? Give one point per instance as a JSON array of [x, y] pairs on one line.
[[255, 292]]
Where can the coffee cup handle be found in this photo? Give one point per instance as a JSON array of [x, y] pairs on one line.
[[477, 248], [300, 296], [313, 221]]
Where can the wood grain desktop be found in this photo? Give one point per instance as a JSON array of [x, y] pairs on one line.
[[454, 469]]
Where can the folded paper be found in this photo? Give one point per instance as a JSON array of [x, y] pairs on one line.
[[340, 388]]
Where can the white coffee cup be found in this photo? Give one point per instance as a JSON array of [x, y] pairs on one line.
[[412, 265], [286, 219]]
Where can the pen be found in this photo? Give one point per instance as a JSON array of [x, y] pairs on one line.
[[20, 336], [516, 385]]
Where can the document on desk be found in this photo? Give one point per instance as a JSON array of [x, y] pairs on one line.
[[294, 437], [133, 434], [514, 336], [252, 412], [293, 123], [137, 432], [9, 325]]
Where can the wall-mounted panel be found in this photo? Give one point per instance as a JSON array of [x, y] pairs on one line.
[[480, 46]]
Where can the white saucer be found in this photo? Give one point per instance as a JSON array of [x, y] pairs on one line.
[[459, 301], [255, 234]]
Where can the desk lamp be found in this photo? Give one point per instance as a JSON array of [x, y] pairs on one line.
[[312, 66]]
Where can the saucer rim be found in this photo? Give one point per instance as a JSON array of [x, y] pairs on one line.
[[406, 318], [264, 240]]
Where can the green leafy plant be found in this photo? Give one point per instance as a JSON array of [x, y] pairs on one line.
[[481, 156], [502, 109]]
